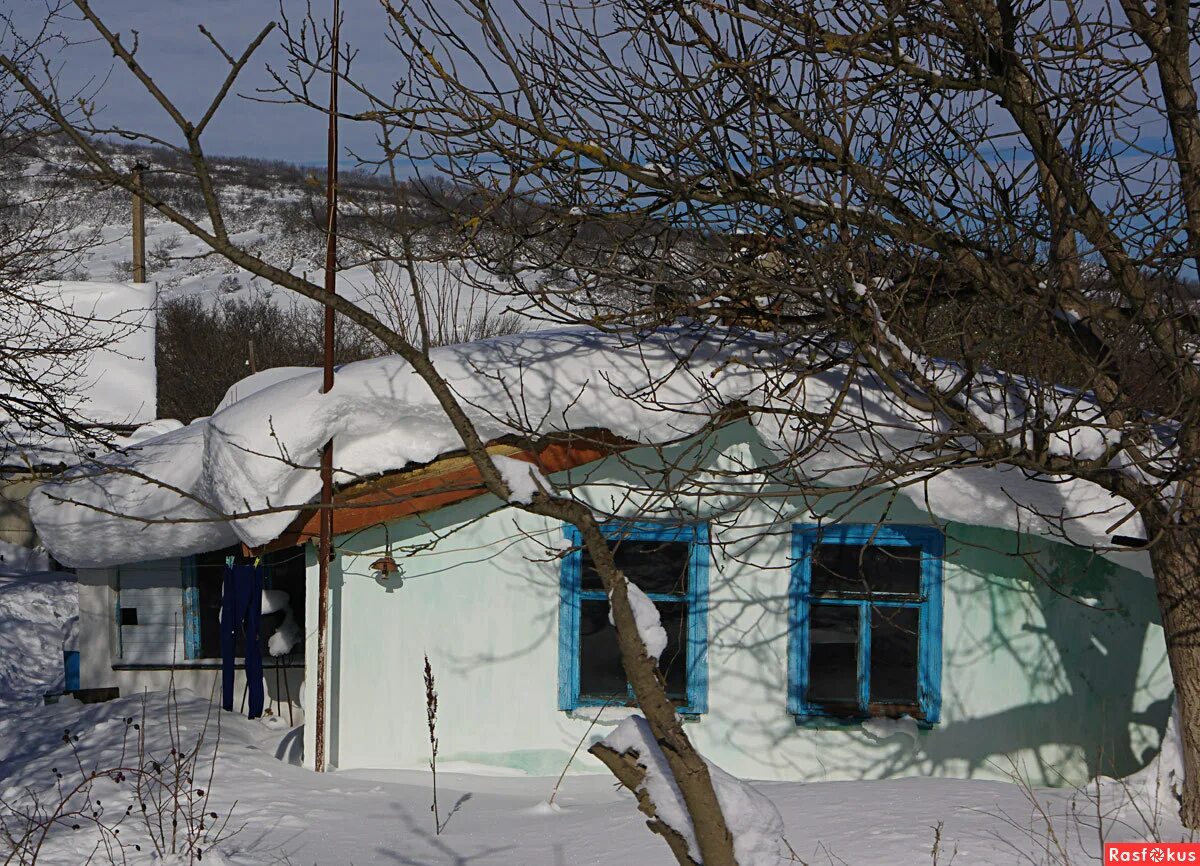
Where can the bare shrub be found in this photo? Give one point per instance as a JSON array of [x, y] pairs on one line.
[[1088, 816], [162, 251], [447, 295], [203, 349], [431, 707], [122, 271], [145, 800]]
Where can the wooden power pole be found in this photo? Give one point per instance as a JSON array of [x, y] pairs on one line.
[[139, 226], [325, 544]]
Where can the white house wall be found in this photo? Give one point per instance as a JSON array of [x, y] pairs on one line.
[[1054, 688], [154, 590], [150, 657]]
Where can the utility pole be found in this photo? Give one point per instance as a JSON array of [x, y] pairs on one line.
[[325, 544], [139, 226]]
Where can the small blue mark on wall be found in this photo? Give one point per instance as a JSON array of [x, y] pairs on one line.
[[71, 669]]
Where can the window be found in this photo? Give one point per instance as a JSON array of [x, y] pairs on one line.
[[203, 579], [670, 565], [865, 622]]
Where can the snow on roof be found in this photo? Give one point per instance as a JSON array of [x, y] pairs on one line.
[[257, 381], [93, 344], [116, 383], [244, 473]]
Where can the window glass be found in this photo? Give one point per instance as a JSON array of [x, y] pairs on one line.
[[600, 673], [895, 634], [866, 568], [833, 655], [210, 572], [653, 566], [284, 570], [673, 662]]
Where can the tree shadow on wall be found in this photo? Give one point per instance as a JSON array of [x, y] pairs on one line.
[[1074, 630]]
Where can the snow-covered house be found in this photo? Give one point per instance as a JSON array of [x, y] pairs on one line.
[[935, 627], [108, 384]]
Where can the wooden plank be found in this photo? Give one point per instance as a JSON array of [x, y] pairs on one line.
[[444, 482]]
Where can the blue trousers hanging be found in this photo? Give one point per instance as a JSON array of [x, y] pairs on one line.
[[241, 610]]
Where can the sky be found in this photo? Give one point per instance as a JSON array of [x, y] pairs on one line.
[[187, 68]]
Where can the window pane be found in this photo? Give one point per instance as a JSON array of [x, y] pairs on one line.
[[654, 566], [600, 672], [833, 656], [210, 575], [894, 641], [866, 568], [673, 662], [286, 573], [283, 571]]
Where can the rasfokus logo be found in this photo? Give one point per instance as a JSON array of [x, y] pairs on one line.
[[1152, 852]]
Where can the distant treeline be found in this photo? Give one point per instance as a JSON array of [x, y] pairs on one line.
[[203, 349]]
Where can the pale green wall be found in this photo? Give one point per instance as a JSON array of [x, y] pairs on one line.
[[1060, 686]]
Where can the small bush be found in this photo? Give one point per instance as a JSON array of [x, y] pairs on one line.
[[203, 349], [122, 272]]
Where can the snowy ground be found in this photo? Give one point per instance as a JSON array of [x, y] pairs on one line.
[[38, 615], [290, 815]]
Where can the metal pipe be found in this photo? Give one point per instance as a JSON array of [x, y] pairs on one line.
[[325, 545]]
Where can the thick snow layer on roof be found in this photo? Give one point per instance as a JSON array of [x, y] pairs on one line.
[[116, 383], [255, 460], [105, 374], [258, 381], [166, 470]]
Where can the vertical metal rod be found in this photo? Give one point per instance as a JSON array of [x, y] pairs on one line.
[[325, 545], [139, 227]]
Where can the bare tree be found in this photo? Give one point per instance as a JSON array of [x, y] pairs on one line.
[[1012, 186], [204, 349], [45, 339], [691, 773]]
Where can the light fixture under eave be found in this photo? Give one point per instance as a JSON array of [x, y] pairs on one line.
[[387, 573]]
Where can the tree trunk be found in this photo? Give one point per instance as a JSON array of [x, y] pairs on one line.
[[630, 774], [687, 766], [1175, 556]]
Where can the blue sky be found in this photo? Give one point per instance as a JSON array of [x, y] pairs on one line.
[[188, 68]]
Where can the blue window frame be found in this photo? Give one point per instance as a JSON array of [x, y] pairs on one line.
[[865, 621], [670, 564], [191, 609]]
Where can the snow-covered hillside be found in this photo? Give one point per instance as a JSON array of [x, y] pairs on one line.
[[271, 209]]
